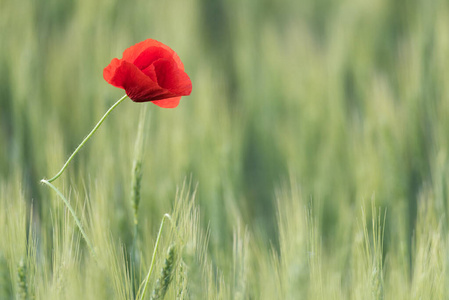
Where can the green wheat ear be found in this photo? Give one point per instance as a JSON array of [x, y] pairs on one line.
[[22, 288], [135, 188], [166, 275], [181, 281]]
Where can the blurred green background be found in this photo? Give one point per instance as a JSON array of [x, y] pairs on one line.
[[348, 99]]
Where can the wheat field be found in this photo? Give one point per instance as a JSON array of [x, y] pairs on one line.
[[310, 161]]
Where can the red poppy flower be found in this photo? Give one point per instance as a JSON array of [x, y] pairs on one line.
[[150, 71]]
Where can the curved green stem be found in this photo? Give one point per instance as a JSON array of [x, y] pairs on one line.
[[156, 246], [85, 140], [72, 211]]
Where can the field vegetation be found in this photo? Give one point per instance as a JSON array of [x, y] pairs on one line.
[[311, 160]]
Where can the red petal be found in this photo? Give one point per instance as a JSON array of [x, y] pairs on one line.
[[150, 71], [109, 72], [150, 55], [172, 78], [133, 52], [139, 87], [167, 103]]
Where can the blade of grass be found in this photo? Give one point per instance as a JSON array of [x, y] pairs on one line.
[[72, 212]]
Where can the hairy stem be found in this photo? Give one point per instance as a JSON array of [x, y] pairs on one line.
[[85, 140]]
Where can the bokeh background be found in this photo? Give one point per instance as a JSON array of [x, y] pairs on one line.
[[347, 100]]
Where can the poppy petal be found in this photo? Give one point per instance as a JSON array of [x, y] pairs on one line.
[[150, 71], [109, 72], [167, 103], [150, 55], [137, 85], [133, 52], [172, 78]]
